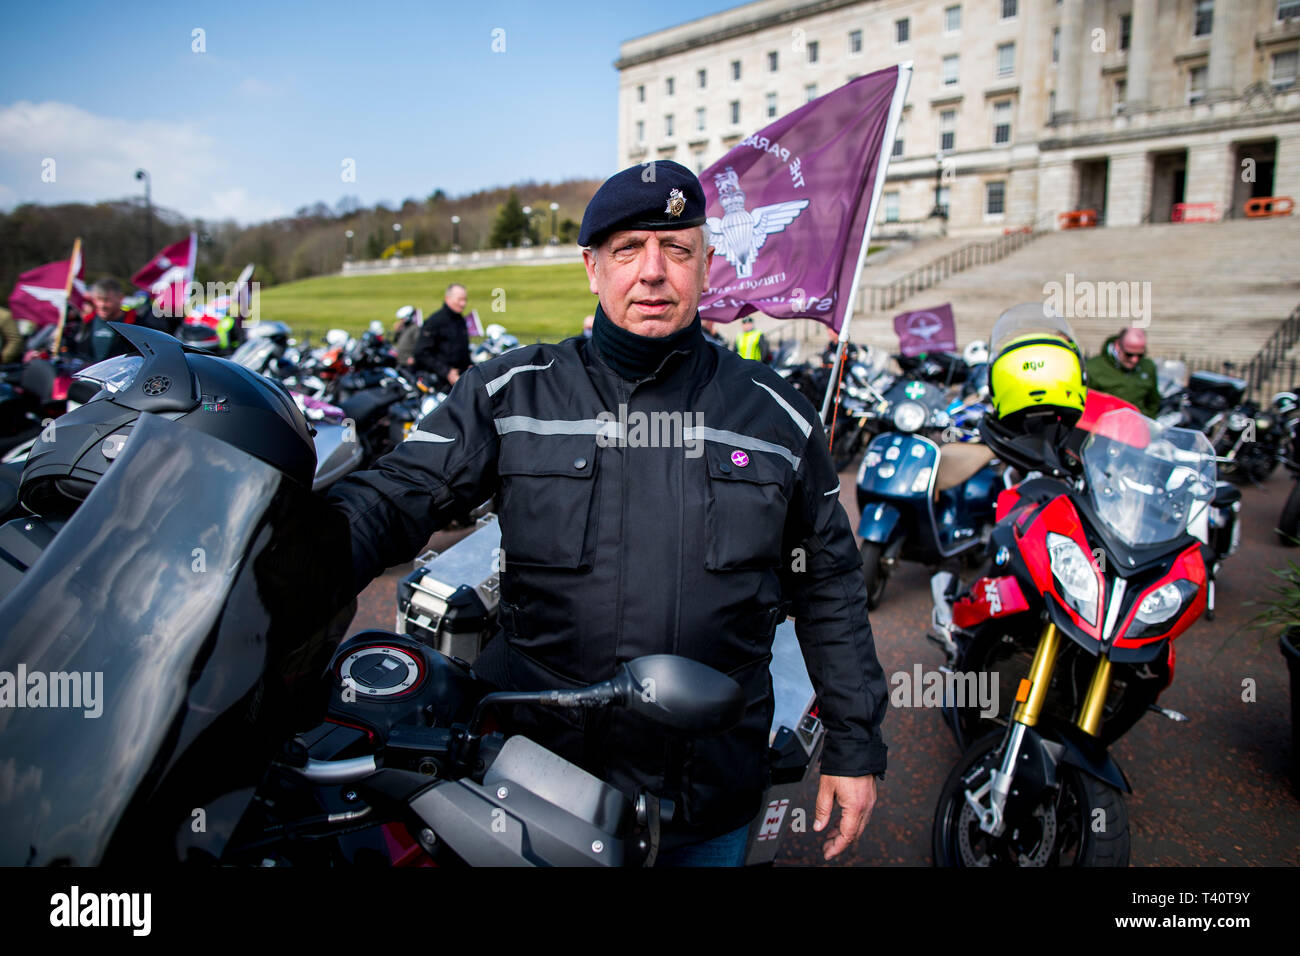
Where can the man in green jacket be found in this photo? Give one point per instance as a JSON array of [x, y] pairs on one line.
[[1123, 370]]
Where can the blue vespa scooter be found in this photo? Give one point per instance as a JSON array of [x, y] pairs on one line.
[[921, 500]]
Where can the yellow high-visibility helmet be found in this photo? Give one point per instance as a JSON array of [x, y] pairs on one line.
[[1036, 362]]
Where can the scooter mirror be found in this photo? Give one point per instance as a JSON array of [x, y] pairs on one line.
[[681, 694]]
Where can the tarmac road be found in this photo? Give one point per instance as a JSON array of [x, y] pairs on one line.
[[1213, 791]]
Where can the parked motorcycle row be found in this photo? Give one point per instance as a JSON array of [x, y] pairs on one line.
[[1095, 551]]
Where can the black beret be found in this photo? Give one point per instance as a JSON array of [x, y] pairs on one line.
[[654, 195]]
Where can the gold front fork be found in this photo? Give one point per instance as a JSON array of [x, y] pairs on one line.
[[1090, 715], [1033, 689]]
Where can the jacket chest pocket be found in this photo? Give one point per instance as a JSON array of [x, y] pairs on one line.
[[547, 486], [745, 511]]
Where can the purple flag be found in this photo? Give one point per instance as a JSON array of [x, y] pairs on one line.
[[790, 206], [926, 330]]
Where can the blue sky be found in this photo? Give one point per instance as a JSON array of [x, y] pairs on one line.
[[262, 121]]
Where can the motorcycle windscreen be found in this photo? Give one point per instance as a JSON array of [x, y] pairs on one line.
[[105, 645]]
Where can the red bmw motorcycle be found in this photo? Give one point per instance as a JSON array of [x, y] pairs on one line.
[[1099, 562]]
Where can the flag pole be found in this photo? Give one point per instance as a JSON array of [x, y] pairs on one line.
[[887, 149], [73, 265]]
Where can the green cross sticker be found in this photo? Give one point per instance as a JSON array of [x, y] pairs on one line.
[[914, 390]]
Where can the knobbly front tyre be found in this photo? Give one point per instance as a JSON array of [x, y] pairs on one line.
[[1081, 822]]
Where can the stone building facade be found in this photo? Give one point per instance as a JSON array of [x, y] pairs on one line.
[[1018, 110]]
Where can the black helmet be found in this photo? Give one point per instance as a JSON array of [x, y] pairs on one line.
[[211, 394]]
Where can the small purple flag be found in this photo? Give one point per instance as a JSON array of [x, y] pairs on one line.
[[926, 330], [790, 206]]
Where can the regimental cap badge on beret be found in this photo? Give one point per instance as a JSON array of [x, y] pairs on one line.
[[676, 203]]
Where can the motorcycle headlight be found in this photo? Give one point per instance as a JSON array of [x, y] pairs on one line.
[[1074, 573], [1163, 604], [910, 417]]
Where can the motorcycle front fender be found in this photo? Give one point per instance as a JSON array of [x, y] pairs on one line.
[[1050, 744], [880, 522]]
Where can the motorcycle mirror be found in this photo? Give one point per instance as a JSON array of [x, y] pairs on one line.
[[681, 694]]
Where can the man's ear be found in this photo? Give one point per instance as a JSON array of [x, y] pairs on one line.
[[589, 261]]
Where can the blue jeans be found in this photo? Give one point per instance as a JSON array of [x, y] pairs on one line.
[[725, 850]]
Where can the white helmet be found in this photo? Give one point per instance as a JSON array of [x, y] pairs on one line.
[[407, 312], [976, 353], [335, 338], [495, 331]]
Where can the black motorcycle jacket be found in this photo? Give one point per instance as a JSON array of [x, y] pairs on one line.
[[684, 513], [443, 343]]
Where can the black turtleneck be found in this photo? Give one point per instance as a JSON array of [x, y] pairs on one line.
[[637, 357]]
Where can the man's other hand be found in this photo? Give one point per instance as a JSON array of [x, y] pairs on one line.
[[856, 797]]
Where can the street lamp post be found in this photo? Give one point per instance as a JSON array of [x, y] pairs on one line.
[[397, 240], [528, 225], [555, 238], [143, 174], [455, 233], [349, 234], [938, 211]]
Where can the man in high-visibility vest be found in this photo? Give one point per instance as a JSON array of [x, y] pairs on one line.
[[750, 343]]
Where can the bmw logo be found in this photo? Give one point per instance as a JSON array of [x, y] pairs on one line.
[[1001, 557]]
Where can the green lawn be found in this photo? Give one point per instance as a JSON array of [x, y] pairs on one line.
[[544, 303]]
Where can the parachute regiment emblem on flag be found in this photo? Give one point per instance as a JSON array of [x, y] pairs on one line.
[[676, 203]]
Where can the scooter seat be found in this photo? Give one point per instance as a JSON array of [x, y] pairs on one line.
[[959, 462]]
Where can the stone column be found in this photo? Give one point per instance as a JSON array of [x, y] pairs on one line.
[[1137, 79], [1129, 188], [1210, 175], [1067, 70], [1219, 83]]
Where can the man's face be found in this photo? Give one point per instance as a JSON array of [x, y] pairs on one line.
[[1131, 347], [650, 281], [456, 299], [107, 304]]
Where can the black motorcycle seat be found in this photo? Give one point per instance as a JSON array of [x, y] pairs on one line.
[[366, 406], [1225, 494]]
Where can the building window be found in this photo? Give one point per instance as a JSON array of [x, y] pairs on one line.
[[1121, 86], [1125, 30], [1006, 59], [771, 62], [1203, 18], [735, 112], [952, 19], [1051, 106], [1288, 9], [669, 84], [668, 125], [810, 92], [947, 130], [640, 131], [1196, 84], [640, 93], [949, 72], [703, 77], [1008, 9], [902, 30], [1284, 69], [945, 199], [735, 69], [699, 119], [891, 207], [855, 41], [1002, 123], [771, 104], [995, 198], [699, 161], [1056, 45], [813, 50], [898, 146]]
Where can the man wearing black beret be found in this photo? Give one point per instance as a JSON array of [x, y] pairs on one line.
[[696, 538]]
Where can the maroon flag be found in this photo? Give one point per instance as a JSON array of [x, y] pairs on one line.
[[166, 276], [38, 293], [926, 330], [791, 206]]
